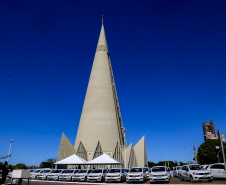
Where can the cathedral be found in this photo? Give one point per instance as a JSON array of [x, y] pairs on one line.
[[100, 128]]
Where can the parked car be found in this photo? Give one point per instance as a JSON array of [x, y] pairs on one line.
[[159, 174], [136, 174], [43, 174], [81, 175], [205, 166], [67, 175], [34, 174], [176, 171], [10, 174], [55, 175], [97, 175], [116, 174], [127, 170], [217, 170], [195, 172]]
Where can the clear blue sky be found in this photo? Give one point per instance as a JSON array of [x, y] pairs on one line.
[[168, 59]]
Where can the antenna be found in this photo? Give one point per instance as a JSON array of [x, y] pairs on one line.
[[102, 19]]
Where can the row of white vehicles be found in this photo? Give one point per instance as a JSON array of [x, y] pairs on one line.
[[196, 172], [116, 174], [192, 172]]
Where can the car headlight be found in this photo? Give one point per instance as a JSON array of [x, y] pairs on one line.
[[195, 173], [141, 175], [119, 175], [100, 175]]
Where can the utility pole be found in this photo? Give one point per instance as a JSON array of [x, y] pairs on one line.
[[167, 161], [195, 155], [34, 164], [222, 148], [9, 150]]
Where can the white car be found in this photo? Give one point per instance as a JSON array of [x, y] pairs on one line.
[[205, 166], [55, 175], [43, 174], [217, 170], [147, 170], [159, 174], [176, 171], [136, 174], [34, 174], [97, 175], [195, 172], [81, 175], [67, 175], [116, 174]]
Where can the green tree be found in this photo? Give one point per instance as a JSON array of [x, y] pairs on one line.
[[20, 166], [181, 163], [151, 164], [207, 153], [46, 164], [1, 165]]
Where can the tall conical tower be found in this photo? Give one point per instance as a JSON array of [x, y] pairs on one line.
[[100, 129]]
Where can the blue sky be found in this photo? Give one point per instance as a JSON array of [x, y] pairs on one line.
[[168, 59]]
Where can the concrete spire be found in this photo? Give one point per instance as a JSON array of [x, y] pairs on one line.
[[66, 149], [140, 152], [100, 121], [102, 38]]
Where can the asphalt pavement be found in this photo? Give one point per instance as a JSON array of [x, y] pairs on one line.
[[173, 180]]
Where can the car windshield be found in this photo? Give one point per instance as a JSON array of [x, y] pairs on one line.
[[31, 170], [46, 171], [69, 171], [81, 171], [114, 171], [37, 171], [90, 171], [158, 169], [136, 170], [196, 167], [57, 171], [96, 171]]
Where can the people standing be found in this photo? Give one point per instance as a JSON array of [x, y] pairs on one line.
[[171, 171], [5, 172]]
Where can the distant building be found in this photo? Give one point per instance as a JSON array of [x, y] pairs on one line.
[[209, 131]]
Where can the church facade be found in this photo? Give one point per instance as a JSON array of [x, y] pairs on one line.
[[100, 128]]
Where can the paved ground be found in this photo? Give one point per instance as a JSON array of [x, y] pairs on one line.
[[172, 181]]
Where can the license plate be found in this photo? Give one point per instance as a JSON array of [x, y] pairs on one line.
[[204, 176], [111, 177], [159, 177], [133, 177]]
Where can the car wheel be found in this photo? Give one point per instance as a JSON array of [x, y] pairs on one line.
[[191, 179], [210, 180], [181, 178]]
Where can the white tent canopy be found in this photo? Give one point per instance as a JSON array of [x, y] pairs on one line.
[[103, 159], [73, 159]]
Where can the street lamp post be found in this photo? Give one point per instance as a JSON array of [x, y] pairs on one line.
[[124, 130], [167, 161], [11, 141], [34, 164]]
